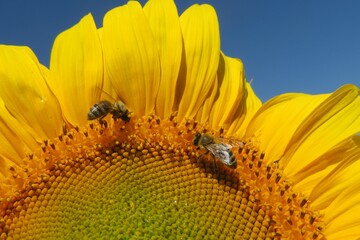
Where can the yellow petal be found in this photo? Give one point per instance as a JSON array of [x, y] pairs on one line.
[[327, 176], [203, 114], [131, 57], [25, 93], [76, 70], [201, 39], [335, 119], [15, 141], [8, 157], [232, 81], [108, 92], [277, 120], [16, 132], [249, 106], [164, 22], [343, 215]]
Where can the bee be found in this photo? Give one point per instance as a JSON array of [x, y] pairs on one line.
[[219, 149], [104, 107]]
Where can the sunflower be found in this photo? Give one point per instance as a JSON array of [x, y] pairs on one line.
[[63, 176]]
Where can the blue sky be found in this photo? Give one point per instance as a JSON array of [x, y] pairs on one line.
[[286, 46]]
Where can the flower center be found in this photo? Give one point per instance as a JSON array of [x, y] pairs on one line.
[[146, 179]]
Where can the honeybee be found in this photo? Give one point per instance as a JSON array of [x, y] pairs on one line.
[[219, 149], [104, 107]]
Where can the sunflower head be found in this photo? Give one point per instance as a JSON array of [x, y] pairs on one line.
[[143, 128]]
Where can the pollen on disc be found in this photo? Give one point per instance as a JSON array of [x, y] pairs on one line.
[[145, 179]]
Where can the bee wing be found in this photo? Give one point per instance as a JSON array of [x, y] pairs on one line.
[[231, 142], [107, 93], [223, 146], [221, 151], [110, 96]]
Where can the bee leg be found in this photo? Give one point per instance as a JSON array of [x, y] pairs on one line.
[[114, 115], [198, 157], [216, 169], [102, 122], [126, 117]]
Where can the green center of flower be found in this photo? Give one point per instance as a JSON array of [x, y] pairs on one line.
[[146, 179]]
